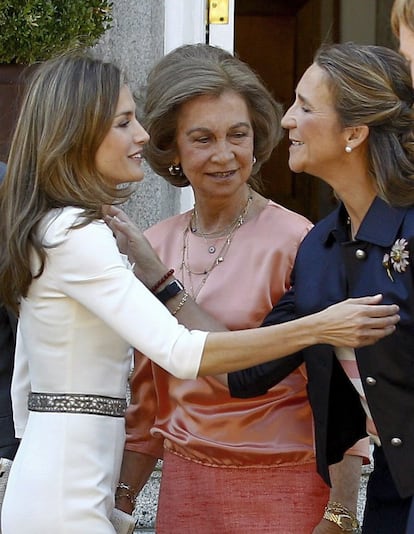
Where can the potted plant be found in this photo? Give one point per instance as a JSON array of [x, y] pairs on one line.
[[35, 30]]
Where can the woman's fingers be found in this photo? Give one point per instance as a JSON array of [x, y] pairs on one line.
[[117, 214], [370, 299], [359, 322], [374, 304]]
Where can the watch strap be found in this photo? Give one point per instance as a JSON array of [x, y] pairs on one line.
[[169, 291]]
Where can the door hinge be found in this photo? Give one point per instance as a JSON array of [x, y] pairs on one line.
[[218, 11]]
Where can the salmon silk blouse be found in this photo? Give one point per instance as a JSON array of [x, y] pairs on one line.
[[198, 419]]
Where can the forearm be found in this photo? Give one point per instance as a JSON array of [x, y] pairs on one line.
[[350, 327], [343, 497], [345, 479], [193, 316], [224, 352], [135, 471], [351, 323]]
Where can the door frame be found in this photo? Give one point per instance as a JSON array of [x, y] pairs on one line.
[[185, 22]]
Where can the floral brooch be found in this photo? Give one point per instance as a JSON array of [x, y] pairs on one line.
[[397, 259]]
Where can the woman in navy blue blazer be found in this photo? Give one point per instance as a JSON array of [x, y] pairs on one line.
[[352, 125], [402, 23]]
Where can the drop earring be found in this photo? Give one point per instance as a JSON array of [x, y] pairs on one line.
[[175, 170], [254, 160], [348, 149]]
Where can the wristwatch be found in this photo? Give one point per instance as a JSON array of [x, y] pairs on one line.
[[341, 516], [169, 291]]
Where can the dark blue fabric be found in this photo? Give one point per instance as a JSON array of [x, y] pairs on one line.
[[410, 524], [385, 511], [330, 268]]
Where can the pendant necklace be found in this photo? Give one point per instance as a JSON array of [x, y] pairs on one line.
[[220, 257], [217, 234]]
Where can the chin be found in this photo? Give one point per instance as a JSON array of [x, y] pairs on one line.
[[130, 179], [138, 179], [296, 168]]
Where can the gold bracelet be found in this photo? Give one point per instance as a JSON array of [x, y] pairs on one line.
[[342, 516], [127, 491], [181, 303]]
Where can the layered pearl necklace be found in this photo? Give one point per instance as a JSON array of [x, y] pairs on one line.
[[227, 233]]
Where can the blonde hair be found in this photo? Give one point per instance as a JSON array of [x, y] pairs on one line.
[[66, 112], [402, 12]]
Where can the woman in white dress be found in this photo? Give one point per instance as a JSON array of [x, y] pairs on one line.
[[81, 308]]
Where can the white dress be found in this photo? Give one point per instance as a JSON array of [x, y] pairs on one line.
[[76, 326]]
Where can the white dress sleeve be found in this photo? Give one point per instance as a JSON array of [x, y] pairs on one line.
[[89, 268]]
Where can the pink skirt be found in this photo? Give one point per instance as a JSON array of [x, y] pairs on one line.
[[198, 499]]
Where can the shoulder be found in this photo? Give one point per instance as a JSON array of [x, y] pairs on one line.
[[78, 252], [280, 222], [59, 226], [409, 216], [58, 217], [273, 209]]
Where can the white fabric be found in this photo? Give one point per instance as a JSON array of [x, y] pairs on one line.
[[76, 326]]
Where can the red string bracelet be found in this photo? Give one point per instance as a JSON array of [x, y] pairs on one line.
[[162, 280]]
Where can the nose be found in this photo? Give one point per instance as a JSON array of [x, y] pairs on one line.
[[287, 121], [141, 136], [223, 152]]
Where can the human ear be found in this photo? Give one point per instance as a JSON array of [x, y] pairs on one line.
[[356, 135]]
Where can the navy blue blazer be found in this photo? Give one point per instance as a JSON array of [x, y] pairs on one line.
[[329, 268]]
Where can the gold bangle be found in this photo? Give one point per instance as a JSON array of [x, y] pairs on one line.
[[181, 303]]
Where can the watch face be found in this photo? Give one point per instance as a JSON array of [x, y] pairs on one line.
[[179, 284], [170, 291]]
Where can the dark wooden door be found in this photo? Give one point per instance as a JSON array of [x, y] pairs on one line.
[[12, 80], [278, 38]]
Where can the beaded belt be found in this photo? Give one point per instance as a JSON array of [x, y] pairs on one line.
[[76, 403]]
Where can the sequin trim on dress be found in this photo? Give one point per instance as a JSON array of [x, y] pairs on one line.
[[77, 403]]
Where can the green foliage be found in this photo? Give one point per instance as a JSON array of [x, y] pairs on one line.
[[38, 29]]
